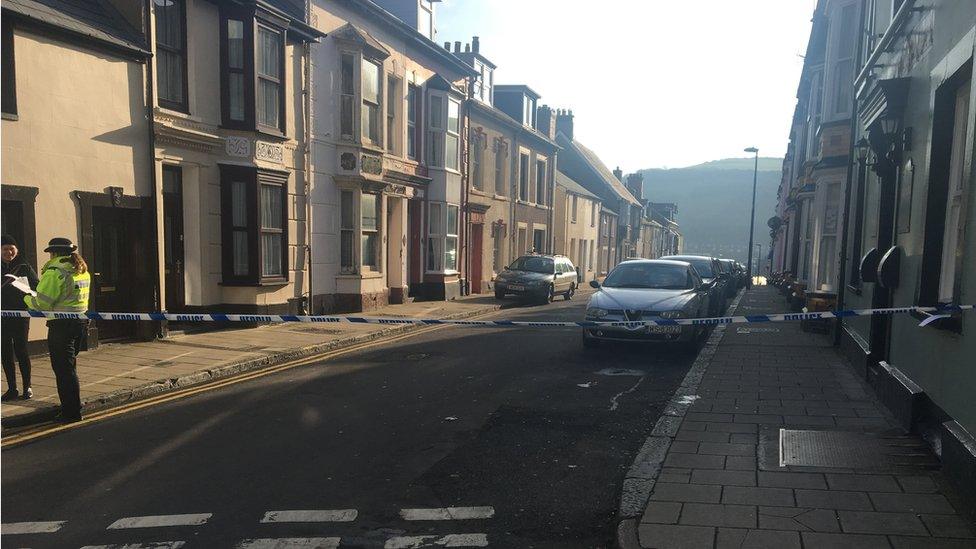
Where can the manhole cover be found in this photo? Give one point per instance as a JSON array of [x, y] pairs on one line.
[[849, 450], [417, 356]]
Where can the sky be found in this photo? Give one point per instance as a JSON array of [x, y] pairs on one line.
[[652, 83]]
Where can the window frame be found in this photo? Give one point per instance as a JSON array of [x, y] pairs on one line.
[[254, 179], [523, 176], [436, 131], [9, 70], [393, 98], [501, 153], [574, 211], [454, 162], [253, 21], [348, 228], [183, 106], [415, 136], [478, 161], [365, 105], [376, 232], [541, 181]]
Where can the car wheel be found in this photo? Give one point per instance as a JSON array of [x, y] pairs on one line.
[[569, 293], [550, 294], [499, 294]]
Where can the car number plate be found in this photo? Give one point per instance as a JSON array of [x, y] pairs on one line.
[[516, 287], [664, 329]]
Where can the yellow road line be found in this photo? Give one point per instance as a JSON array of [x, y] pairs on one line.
[[48, 429]]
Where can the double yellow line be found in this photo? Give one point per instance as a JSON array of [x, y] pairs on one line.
[[47, 429]]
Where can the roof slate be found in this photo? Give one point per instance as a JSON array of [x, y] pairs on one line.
[[567, 183], [96, 19], [599, 167]]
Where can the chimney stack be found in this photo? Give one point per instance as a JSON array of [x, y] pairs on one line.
[[457, 46], [564, 123], [467, 48], [546, 118], [635, 183], [619, 174], [475, 44], [447, 46]]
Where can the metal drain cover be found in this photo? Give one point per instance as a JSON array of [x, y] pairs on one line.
[[849, 450]]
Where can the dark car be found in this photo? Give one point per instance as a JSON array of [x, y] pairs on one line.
[[711, 273], [729, 268], [648, 289], [539, 277]]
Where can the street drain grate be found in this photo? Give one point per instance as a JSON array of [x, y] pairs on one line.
[[849, 449]]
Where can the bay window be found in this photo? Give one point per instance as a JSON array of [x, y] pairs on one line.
[[435, 135], [254, 228], [955, 210], [827, 262], [347, 233], [371, 102], [252, 72], [442, 241], [413, 119], [370, 224], [453, 137], [170, 27], [347, 96], [393, 101]]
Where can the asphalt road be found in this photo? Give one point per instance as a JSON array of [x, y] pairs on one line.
[[520, 424]]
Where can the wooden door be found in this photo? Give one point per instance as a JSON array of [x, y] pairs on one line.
[[116, 237], [173, 238]]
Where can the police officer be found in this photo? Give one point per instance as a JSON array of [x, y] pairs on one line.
[[64, 287]]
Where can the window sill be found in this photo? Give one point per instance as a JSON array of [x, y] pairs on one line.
[[271, 282], [500, 197], [270, 132], [368, 275], [11, 116], [183, 111]]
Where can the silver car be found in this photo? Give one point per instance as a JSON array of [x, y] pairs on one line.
[[648, 289]]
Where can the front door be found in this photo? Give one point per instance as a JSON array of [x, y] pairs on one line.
[[477, 259], [173, 238], [414, 246], [117, 247]]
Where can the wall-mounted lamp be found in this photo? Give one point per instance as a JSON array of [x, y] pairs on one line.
[[863, 148]]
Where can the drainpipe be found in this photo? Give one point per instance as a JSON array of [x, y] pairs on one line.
[[307, 108], [151, 125], [842, 271]]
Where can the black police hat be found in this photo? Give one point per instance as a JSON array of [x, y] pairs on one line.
[[62, 245]]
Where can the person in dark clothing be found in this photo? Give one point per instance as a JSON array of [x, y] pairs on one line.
[[15, 329]]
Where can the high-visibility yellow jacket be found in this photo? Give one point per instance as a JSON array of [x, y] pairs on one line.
[[60, 288]]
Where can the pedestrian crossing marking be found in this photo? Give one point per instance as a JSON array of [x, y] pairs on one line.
[[448, 513], [151, 545], [32, 527], [311, 515], [158, 521], [289, 543], [450, 540]]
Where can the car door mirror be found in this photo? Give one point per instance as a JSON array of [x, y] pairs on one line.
[[594, 284]]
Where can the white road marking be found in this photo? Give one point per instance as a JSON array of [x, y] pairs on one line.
[[31, 527], [160, 521], [323, 515], [450, 540], [448, 513], [289, 543], [613, 401], [150, 545]]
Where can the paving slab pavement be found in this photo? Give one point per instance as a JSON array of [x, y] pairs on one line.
[[117, 373], [720, 481]]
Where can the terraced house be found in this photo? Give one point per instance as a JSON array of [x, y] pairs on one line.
[[907, 200], [230, 128], [387, 157], [77, 159]]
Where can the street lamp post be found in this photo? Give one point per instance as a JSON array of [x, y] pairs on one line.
[[752, 216], [759, 259]]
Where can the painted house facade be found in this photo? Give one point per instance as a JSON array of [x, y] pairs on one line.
[[576, 226], [388, 153]]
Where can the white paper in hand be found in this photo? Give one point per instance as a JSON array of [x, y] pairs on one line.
[[21, 283]]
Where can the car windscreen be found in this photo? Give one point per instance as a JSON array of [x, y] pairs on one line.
[[533, 264], [702, 264], [658, 276]]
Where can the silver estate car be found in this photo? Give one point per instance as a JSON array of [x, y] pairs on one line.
[[648, 289]]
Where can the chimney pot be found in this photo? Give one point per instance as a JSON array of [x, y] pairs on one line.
[[467, 48]]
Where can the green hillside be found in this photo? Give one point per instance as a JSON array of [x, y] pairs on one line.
[[713, 201]]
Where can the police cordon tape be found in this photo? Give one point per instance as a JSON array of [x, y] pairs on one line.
[[935, 313]]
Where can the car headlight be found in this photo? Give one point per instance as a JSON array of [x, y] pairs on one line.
[[596, 312], [671, 314]]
